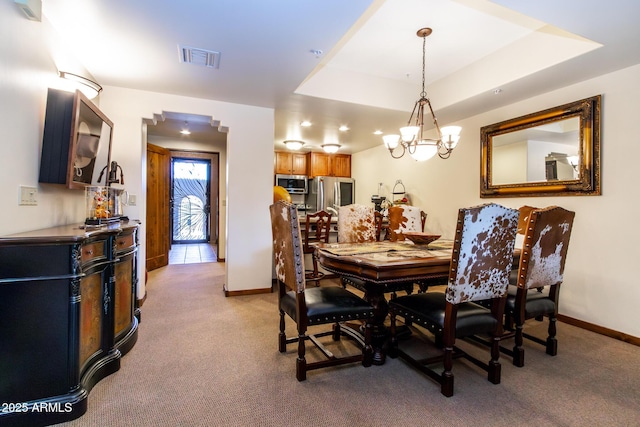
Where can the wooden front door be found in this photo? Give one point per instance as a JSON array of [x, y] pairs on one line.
[[158, 184]]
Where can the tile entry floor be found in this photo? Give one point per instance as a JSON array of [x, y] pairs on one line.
[[192, 253]]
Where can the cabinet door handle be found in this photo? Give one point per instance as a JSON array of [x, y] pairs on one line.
[[89, 252]]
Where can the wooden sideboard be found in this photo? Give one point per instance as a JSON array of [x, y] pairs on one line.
[[67, 315]]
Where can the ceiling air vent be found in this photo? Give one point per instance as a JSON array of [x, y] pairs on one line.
[[196, 56]]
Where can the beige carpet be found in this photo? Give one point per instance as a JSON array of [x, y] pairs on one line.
[[206, 360]]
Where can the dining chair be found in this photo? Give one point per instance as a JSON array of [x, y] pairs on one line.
[[313, 306], [358, 223], [317, 227], [523, 220], [479, 270], [535, 291], [403, 218]]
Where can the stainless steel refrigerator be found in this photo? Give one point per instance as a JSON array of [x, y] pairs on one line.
[[328, 193]]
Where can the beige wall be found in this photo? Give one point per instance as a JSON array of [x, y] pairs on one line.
[[601, 276], [27, 69]]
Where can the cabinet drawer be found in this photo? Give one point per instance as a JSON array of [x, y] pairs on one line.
[[92, 251], [124, 242]]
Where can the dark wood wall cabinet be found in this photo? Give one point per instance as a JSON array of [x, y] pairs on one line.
[[68, 314], [76, 144]]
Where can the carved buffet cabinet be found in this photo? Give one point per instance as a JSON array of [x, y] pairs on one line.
[[67, 315]]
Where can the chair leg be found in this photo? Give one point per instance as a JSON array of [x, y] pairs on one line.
[[552, 342], [393, 344], [446, 382], [315, 270], [282, 337], [336, 332], [367, 350], [494, 364], [301, 362], [508, 322], [518, 351]]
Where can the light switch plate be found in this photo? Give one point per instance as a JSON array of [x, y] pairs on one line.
[[132, 200], [28, 196]]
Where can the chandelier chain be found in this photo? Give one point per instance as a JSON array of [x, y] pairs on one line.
[[424, 49]]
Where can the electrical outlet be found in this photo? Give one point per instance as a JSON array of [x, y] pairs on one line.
[[28, 196], [132, 200]]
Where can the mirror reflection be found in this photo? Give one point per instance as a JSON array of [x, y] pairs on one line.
[[92, 147], [540, 153]]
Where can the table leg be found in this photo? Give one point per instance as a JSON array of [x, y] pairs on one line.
[[374, 294]]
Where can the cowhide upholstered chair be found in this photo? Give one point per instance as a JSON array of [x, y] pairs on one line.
[[314, 306], [536, 290], [480, 265], [523, 220], [403, 218], [317, 227], [357, 224]]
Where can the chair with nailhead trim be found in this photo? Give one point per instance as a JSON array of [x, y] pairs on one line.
[[536, 289], [314, 306], [480, 264]]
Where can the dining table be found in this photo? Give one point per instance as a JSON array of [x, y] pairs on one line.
[[384, 267]]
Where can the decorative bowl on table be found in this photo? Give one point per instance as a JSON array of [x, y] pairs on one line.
[[421, 238]]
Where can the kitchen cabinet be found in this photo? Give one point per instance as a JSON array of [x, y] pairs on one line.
[[341, 165], [67, 316], [322, 164], [291, 163]]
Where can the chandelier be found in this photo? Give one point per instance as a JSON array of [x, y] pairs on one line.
[[412, 137]]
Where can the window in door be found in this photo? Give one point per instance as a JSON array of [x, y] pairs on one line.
[[190, 200]]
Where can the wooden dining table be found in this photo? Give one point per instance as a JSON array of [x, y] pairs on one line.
[[386, 267]]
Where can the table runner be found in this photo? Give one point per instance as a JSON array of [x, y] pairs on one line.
[[390, 249]]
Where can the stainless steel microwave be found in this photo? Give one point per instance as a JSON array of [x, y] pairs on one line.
[[294, 184]]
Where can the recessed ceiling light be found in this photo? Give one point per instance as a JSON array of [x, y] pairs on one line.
[[377, 132], [343, 128], [305, 123]]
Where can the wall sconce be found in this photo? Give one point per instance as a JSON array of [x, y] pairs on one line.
[[88, 87], [32, 9], [573, 161]]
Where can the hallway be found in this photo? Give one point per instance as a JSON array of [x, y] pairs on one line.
[[192, 253]]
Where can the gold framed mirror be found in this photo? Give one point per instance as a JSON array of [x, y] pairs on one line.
[[554, 152]]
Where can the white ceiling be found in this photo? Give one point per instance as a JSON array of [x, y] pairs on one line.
[[369, 72]]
